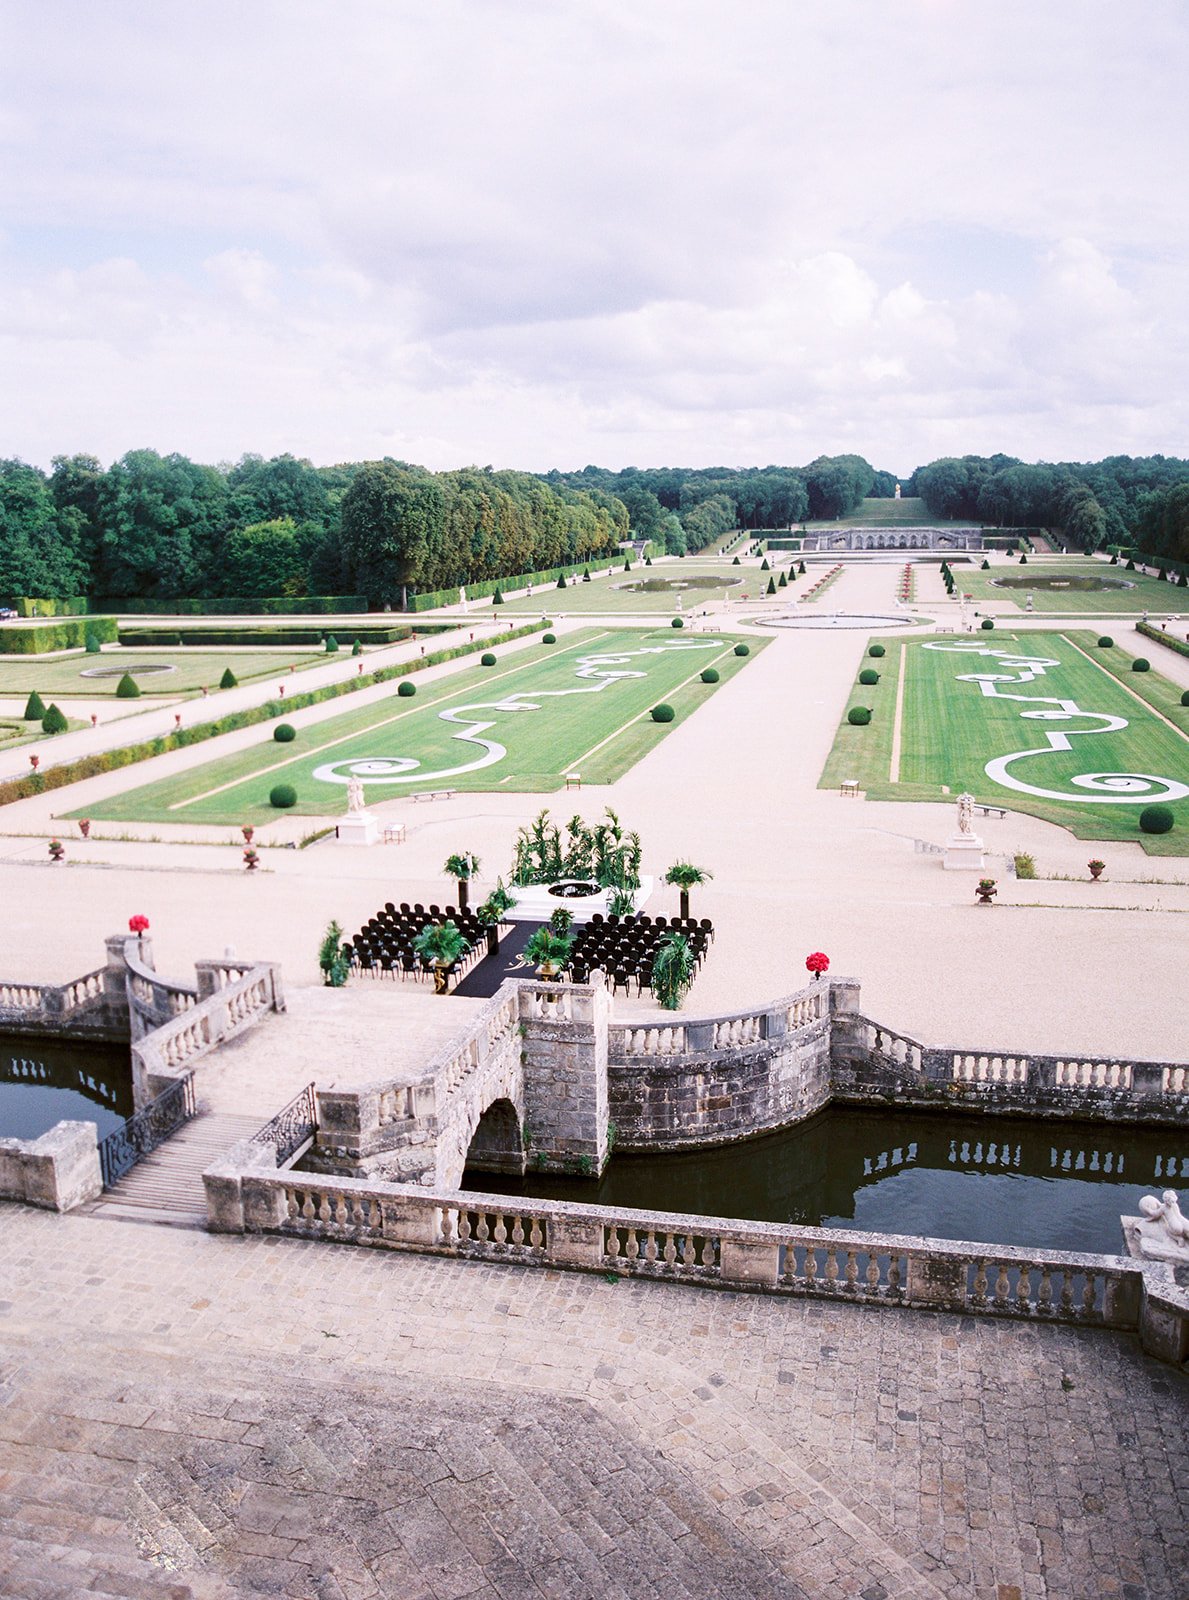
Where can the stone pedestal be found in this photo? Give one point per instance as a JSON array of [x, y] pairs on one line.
[[964, 853], [358, 827]]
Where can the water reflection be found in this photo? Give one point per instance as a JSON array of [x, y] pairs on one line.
[[999, 1180], [43, 1082]]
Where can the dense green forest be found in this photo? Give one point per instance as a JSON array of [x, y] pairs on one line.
[[165, 527]]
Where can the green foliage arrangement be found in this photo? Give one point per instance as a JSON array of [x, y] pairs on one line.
[[127, 688], [93, 646], [54, 721], [662, 713], [405, 689], [875, 651], [672, 971], [1141, 664], [1025, 865], [332, 644], [440, 942], [487, 659], [742, 649], [604, 853], [34, 708], [331, 958], [710, 675], [677, 622], [497, 598], [1156, 819], [684, 875], [284, 733], [548, 638], [621, 903], [868, 675], [547, 948], [561, 920], [228, 680], [987, 624], [859, 716], [282, 796], [1106, 642]]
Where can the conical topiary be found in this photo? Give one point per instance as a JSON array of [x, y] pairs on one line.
[[561, 582], [497, 598], [357, 648], [92, 643], [34, 708], [627, 566], [801, 568], [228, 680], [764, 567], [332, 644], [127, 688], [54, 721], [735, 563], [771, 589]]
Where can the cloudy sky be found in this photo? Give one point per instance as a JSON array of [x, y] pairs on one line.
[[543, 233]]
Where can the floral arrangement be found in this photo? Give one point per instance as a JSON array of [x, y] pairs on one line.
[[1096, 866], [817, 963], [138, 924], [57, 849], [251, 859]]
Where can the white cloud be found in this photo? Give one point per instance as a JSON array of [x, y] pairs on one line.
[[504, 230]]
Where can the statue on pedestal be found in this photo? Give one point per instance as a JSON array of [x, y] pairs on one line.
[[355, 800], [965, 813], [1161, 1232]]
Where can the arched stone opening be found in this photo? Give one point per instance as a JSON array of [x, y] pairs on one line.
[[497, 1144]]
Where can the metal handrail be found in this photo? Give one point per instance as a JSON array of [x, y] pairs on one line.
[[293, 1126], [151, 1126]]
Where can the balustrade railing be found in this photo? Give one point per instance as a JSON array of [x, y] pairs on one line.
[[151, 1126], [706, 1035], [186, 1037], [42, 1001]]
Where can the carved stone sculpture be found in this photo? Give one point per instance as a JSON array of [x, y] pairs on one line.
[[1161, 1232]]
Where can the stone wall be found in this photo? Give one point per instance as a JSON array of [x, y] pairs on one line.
[[57, 1172]]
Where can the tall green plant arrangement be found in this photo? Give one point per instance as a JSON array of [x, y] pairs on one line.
[[684, 875], [462, 868], [672, 971]]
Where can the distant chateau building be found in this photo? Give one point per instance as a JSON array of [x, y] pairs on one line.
[[885, 537]]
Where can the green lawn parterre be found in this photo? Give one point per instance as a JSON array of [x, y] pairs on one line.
[[1148, 594], [518, 726], [607, 594], [951, 730], [61, 677]]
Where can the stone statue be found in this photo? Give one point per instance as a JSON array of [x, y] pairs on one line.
[[462, 596], [965, 813], [354, 794], [1160, 1232]]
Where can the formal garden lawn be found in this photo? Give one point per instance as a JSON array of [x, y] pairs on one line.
[[1053, 752], [1042, 572], [518, 726], [188, 670], [619, 593]]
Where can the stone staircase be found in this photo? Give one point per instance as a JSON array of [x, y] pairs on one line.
[[167, 1185]]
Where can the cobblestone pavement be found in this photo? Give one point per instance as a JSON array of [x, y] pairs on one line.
[[198, 1417]]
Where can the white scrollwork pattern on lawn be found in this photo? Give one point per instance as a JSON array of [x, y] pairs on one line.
[[1105, 788], [599, 672]]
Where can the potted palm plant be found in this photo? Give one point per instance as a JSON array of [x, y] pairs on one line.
[[549, 951], [331, 957], [463, 868], [442, 944], [684, 874], [672, 970]]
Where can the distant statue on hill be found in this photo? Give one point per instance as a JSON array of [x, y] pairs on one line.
[[896, 496]]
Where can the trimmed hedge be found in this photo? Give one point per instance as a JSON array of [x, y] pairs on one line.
[[876, 650], [1185, 697], [548, 638], [228, 680], [1156, 819], [987, 624], [663, 713], [1150, 631], [710, 675], [33, 606], [129, 755], [332, 644], [491, 587], [868, 675], [92, 645], [284, 733], [677, 622], [127, 688], [1106, 642], [18, 640], [282, 796], [742, 649], [313, 605], [1141, 665], [487, 659], [406, 689], [859, 716], [260, 634], [54, 721]]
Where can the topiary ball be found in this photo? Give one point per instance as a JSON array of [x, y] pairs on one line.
[[859, 716], [677, 622], [742, 649], [548, 638], [1141, 665], [282, 795], [868, 675], [987, 624], [877, 650], [406, 689], [1185, 698], [1156, 819], [710, 675], [663, 713], [487, 659], [127, 688], [284, 733], [1106, 642]]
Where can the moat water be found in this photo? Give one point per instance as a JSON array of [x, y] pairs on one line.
[[998, 1180], [43, 1082]]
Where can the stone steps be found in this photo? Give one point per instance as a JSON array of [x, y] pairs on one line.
[[167, 1185]]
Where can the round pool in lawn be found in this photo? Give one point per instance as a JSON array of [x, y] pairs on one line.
[[1059, 582], [678, 585], [143, 669]]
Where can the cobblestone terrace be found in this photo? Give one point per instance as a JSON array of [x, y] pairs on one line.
[[184, 1416]]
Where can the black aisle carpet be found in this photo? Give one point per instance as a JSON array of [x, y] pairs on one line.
[[485, 977]]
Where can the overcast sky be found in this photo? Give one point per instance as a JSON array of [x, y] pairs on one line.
[[541, 233]]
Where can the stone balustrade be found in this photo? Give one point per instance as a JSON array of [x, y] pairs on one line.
[[167, 1053], [885, 1269], [84, 1005], [153, 999]]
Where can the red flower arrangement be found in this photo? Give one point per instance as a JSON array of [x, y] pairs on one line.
[[817, 963], [138, 924]]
